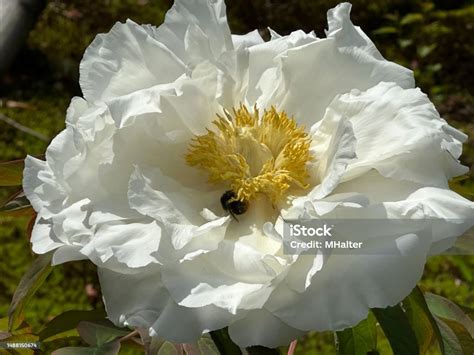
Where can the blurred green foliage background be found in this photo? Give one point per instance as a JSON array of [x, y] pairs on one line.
[[432, 37]]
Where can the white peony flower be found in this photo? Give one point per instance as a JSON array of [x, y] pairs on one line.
[[175, 117]]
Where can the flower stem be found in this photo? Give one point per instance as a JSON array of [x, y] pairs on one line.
[[129, 336]]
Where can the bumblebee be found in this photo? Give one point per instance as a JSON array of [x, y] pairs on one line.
[[230, 203]]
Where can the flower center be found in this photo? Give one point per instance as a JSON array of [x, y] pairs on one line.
[[253, 154]]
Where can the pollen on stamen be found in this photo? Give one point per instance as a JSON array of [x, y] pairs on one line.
[[253, 153]]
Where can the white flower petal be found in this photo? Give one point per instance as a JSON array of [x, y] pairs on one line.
[[191, 101], [64, 228], [155, 127], [185, 325], [333, 146], [145, 303], [303, 269], [262, 328], [247, 40], [73, 158], [126, 59], [233, 277], [176, 207], [67, 253], [452, 214], [249, 229], [396, 129], [346, 34], [440, 213], [42, 237], [342, 292], [273, 34], [263, 59], [132, 244], [378, 188], [156, 195], [338, 66], [41, 188], [143, 297], [208, 16]]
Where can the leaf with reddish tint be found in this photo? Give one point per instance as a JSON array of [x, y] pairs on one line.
[[29, 284], [447, 309], [455, 337], [421, 320], [98, 333], [17, 205]]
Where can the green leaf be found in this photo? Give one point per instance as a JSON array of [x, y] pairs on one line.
[[434, 67], [3, 329], [455, 337], [11, 172], [403, 42], [397, 329], [424, 51], [69, 320], [29, 284], [444, 308], [111, 348], [55, 344], [99, 332], [385, 30], [4, 335], [391, 17], [223, 342], [22, 338], [468, 311], [411, 18], [421, 320], [23, 328], [17, 204], [360, 339], [462, 334]]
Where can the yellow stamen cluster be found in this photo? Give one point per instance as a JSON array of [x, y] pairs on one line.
[[253, 154]]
